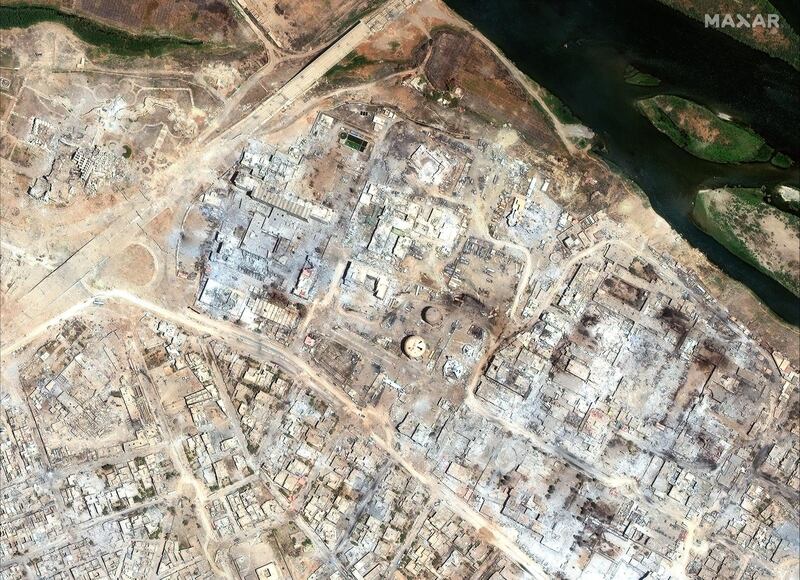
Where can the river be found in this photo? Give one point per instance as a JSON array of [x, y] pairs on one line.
[[578, 49]]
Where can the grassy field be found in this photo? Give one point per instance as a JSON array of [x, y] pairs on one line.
[[634, 76], [702, 133], [756, 232], [114, 40], [559, 109], [781, 42], [348, 64]]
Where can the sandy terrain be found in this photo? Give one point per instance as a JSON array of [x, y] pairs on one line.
[[135, 266], [297, 25]]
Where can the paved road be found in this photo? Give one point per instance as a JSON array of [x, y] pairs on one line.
[[299, 84]]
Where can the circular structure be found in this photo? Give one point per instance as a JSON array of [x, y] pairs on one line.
[[432, 315], [134, 266], [414, 346]]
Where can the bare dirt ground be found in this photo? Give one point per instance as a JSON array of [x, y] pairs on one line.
[[700, 126], [400, 41], [135, 266], [142, 119], [303, 25], [432, 43], [220, 65], [458, 60]]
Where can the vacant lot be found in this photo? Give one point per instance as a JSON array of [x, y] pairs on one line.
[[300, 25], [459, 61]]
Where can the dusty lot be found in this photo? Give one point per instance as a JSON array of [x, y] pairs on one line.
[[302, 25]]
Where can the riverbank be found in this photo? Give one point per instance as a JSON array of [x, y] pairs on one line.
[[754, 230], [739, 300], [114, 40], [580, 53], [779, 41], [635, 210]]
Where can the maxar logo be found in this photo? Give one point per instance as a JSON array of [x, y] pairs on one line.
[[742, 20]]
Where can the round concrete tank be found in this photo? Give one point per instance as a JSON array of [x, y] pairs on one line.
[[414, 346], [432, 315]]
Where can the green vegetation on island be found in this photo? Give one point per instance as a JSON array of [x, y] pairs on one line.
[[706, 135], [114, 40], [634, 76], [754, 230], [781, 160]]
